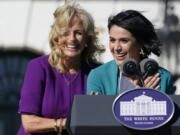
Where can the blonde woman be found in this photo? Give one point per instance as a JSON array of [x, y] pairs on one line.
[[52, 81]]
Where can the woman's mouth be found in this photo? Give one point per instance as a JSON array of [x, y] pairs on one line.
[[120, 56], [71, 47]]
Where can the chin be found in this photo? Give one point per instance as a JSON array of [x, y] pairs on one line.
[[72, 55]]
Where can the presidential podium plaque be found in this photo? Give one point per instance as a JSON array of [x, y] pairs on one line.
[[93, 115], [143, 109]]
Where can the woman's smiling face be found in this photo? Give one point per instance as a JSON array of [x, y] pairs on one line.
[[72, 42], [123, 45]]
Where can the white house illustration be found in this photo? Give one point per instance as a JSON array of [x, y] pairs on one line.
[[143, 106]]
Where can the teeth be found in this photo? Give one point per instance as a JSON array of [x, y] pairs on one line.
[[120, 55], [70, 46]]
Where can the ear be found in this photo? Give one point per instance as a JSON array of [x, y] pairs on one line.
[[55, 35], [56, 38]]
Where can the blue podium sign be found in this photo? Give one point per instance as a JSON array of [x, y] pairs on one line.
[[143, 109]]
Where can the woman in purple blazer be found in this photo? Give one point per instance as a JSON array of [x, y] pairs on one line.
[[52, 81]]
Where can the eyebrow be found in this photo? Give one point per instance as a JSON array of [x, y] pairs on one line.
[[119, 38], [79, 30]]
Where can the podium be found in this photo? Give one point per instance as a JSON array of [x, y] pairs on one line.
[[92, 115]]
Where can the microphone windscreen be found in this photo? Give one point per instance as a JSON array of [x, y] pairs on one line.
[[148, 66], [130, 68]]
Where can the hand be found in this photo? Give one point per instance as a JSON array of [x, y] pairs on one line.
[[63, 123], [134, 81], [152, 81], [94, 93]]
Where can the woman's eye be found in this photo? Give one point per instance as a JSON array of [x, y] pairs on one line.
[[124, 40], [65, 33], [112, 40], [79, 32]]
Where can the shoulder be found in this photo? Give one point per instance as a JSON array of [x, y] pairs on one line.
[[164, 72], [36, 69], [106, 68], [41, 61], [166, 81]]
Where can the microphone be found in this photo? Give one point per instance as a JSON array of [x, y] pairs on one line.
[[130, 68], [148, 67], [145, 68]]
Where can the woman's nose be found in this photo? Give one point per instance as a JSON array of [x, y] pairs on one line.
[[118, 46], [71, 36]]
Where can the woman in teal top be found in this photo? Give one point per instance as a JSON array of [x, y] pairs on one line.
[[131, 35]]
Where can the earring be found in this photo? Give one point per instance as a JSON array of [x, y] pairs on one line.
[[142, 52]]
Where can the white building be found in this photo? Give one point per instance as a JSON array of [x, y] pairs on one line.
[[143, 106]]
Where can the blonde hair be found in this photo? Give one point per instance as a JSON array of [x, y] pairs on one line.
[[63, 16]]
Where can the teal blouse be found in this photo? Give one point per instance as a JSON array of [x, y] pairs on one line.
[[104, 80]]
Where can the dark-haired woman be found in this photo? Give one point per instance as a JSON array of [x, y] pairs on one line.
[[131, 36]]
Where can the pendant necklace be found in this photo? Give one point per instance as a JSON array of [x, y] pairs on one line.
[[70, 80]]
